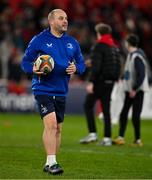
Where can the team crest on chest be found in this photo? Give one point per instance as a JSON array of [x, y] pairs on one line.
[[69, 45]]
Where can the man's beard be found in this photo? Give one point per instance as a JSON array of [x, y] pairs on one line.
[[62, 30]]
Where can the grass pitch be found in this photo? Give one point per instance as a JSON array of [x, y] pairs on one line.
[[22, 155]]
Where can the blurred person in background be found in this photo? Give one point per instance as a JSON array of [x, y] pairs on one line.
[[89, 108], [105, 71], [50, 90], [135, 84]]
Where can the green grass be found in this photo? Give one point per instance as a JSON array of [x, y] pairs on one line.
[[22, 155]]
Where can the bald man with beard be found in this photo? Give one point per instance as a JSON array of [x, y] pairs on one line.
[[50, 90]]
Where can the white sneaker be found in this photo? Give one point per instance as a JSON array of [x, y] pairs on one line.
[[105, 142], [88, 139]]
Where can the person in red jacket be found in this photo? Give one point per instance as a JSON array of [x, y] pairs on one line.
[[105, 70]]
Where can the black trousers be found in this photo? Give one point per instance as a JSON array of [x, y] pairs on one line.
[[102, 92], [136, 103], [89, 105]]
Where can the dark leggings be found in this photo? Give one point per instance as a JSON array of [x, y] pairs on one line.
[[136, 103]]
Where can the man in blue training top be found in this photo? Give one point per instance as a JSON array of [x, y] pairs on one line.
[[50, 90]]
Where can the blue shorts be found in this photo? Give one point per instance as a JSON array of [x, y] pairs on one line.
[[47, 104]]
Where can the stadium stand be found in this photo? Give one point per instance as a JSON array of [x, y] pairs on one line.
[[21, 19]]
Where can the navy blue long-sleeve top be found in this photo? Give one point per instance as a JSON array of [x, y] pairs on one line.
[[140, 72]]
